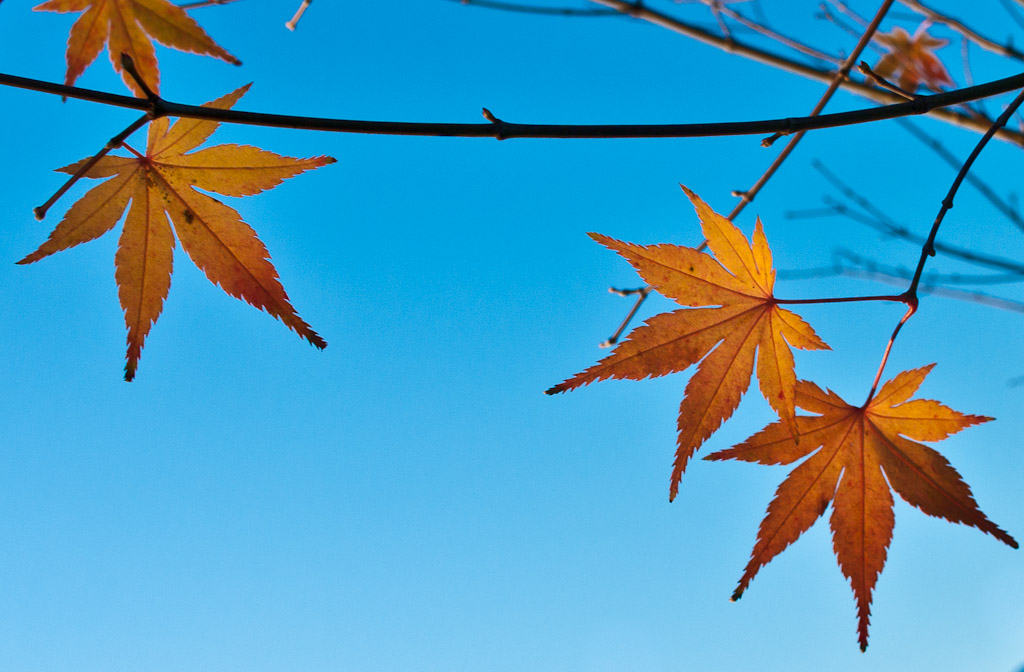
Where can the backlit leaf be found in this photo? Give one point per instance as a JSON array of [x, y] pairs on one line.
[[129, 27], [746, 323], [865, 453], [161, 184]]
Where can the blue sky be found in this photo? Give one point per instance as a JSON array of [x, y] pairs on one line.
[[409, 498]]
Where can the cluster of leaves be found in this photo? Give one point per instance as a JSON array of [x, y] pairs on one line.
[[730, 324], [162, 182], [730, 319]]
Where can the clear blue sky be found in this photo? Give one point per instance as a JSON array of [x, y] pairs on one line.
[[409, 499]]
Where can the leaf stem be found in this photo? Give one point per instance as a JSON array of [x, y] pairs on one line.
[[928, 249], [901, 298]]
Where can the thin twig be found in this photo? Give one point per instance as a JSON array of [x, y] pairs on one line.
[[928, 249], [826, 14], [849, 12], [932, 279], [205, 3], [975, 181], [641, 293], [841, 299], [837, 79], [1013, 12], [958, 26], [734, 46], [113, 143], [292, 23], [774, 35], [886, 225], [531, 9], [866, 70]]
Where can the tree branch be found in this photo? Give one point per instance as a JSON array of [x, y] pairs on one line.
[[928, 249], [641, 11], [959, 27], [837, 79], [531, 9], [166, 108]]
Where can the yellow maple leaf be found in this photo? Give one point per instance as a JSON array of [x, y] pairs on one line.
[[163, 183], [746, 321], [128, 27], [865, 453]]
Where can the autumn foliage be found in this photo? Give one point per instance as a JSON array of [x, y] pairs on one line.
[[733, 318], [730, 325], [740, 320], [864, 451], [163, 183], [129, 27]]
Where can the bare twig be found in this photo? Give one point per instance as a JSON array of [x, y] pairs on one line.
[[886, 225], [774, 35], [866, 70], [841, 6], [937, 290], [205, 3], [293, 22], [928, 249], [113, 143], [532, 9], [959, 27], [932, 279], [975, 181], [641, 293], [642, 11], [1013, 12], [837, 79]]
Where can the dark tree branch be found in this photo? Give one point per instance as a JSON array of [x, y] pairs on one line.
[[166, 108], [928, 249]]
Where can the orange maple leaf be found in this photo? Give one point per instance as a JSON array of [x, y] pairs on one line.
[[163, 183], [912, 59], [865, 452], [739, 280], [128, 27]]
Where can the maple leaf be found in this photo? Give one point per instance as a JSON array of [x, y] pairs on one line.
[[912, 59], [128, 27], [163, 183], [865, 452], [739, 281]]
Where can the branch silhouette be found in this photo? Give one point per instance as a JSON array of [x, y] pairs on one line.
[[498, 129]]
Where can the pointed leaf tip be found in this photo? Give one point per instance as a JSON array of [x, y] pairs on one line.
[[729, 320], [164, 185], [871, 448]]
